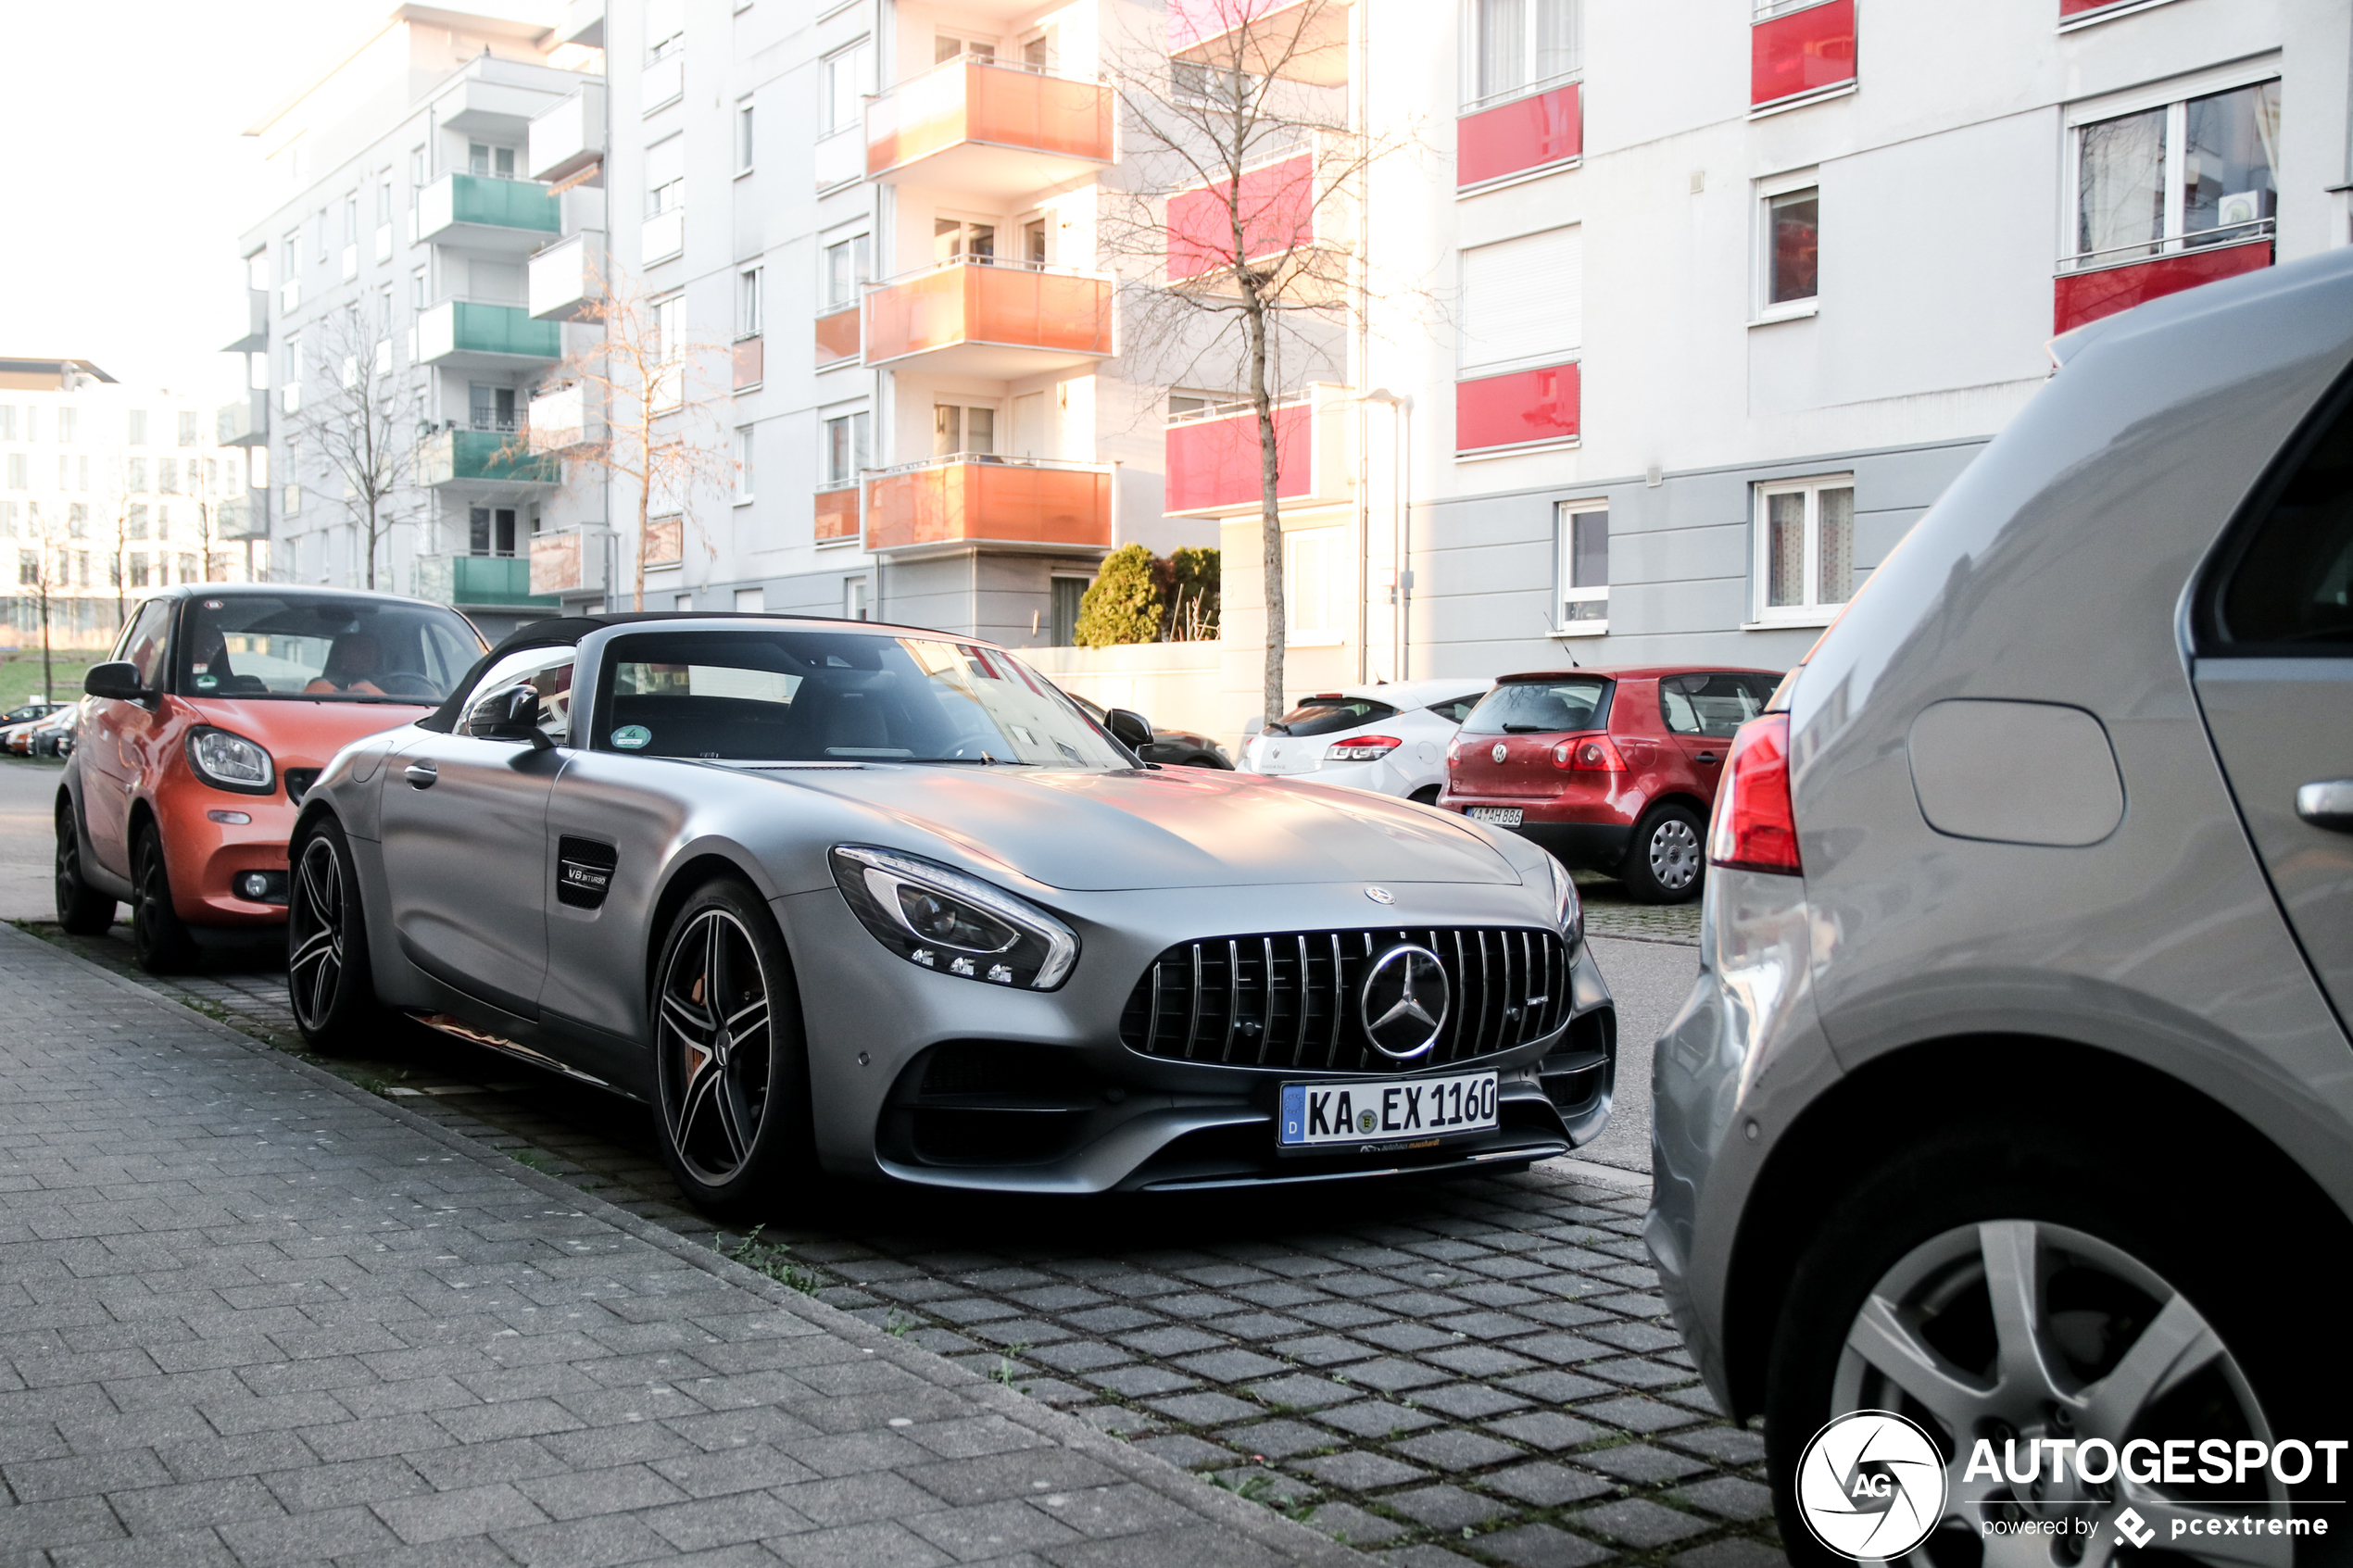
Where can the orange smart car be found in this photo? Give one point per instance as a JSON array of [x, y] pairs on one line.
[[220, 707]]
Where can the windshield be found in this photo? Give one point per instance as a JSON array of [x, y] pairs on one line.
[[1324, 715], [1518, 708], [838, 697], [251, 646]]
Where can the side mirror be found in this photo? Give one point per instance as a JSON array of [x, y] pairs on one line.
[[117, 680], [1131, 730], [510, 715]]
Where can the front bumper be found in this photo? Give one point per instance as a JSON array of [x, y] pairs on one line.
[[206, 858], [926, 1078]]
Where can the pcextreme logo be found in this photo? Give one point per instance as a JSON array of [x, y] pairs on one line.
[[1870, 1486]]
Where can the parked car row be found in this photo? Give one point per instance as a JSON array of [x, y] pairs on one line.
[[40, 729]]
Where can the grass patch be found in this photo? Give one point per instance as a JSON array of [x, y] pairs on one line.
[[770, 1258], [530, 1157]]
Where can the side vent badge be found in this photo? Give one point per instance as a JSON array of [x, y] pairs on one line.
[[584, 872]]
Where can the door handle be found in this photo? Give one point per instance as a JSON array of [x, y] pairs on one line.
[[1710, 756], [2328, 804], [423, 776]]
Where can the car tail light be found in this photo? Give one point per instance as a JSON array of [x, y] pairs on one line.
[[1755, 830], [1588, 754], [1454, 751], [1362, 748]]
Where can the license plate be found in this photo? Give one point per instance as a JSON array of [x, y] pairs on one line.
[[1411, 1110], [1502, 816]]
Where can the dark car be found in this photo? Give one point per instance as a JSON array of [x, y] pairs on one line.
[[1173, 748], [1612, 770]]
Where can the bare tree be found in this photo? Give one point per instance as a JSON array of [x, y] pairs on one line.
[[41, 568], [647, 376], [123, 517], [364, 428], [1239, 245]]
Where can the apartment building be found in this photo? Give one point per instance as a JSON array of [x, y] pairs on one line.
[[387, 299], [107, 490]]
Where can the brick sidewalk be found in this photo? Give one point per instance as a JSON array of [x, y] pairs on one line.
[[254, 1315]]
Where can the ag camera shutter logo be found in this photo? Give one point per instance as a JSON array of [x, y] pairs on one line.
[[1870, 1486]]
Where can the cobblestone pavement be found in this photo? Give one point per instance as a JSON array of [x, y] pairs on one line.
[[1473, 1370], [1609, 911], [252, 1316]]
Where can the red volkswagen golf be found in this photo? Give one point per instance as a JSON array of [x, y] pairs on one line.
[[1611, 770]]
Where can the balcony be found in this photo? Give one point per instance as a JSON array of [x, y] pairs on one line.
[[246, 517], [836, 337], [479, 582], [837, 512], [987, 127], [569, 560], [243, 423], [565, 417], [257, 334], [1298, 39], [567, 279], [1799, 52], [1212, 456], [1520, 409], [512, 217], [996, 319], [951, 504], [1503, 141], [488, 457], [569, 137], [2094, 290], [472, 335], [1290, 217]]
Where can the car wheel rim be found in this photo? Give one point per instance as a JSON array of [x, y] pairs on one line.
[[314, 959], [155, 899], [1674, 854], [2012, 1330], [68, 865], [714, 1032]]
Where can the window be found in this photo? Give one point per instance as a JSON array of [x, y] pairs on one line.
[[1793, 247], [1804, 548], [845, 75], [743, 463], [962, 430], [665, 28], [1563, 702], [1583, 566], [187, 567], [1068, 592], [135, 423], [491, 407], [955, 238], [1711, 704], [853, 599], [351, 217], [1523, 300], [78, 520], [1190, 80], [28, 568], [136, 527], [290, 255], [7, 421], [7, 520], [292, 505], [2192, 173], [167, 476], [384, 198], [1314, 564], [742, 140], [944, 48], [844, 447], [670, 343], [497, 163], [69, 425], [846, 267], [2289, 588], [137, 470], [187, 427], [748, 301], [1512, 47], [490, 531], [139, 568], [417, 289], [19, 471]]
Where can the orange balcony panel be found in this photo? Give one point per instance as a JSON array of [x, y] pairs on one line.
[[1276, 203], [750, 362], [1801, 53], [838, 337], [987, 129], [978, 318], [2079, 297], [1535, 132], [1298, 39], [837, 514], [947, 504]]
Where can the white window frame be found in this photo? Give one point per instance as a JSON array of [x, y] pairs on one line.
[[2172, 95], [862, 452], [743, 454], [835, 116], [1470, 52], [1812, 612], [750, 289], [1763, 311], [857, 599], [826, 304], [1563, 593], [745, 129], [1332, 540]]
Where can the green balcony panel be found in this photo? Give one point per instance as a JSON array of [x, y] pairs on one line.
[[504, 204], [504, 329], [495, 580], [485, 454]]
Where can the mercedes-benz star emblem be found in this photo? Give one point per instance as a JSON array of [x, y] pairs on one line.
[[1500, 752], [1380, 895], [1404, 1001]]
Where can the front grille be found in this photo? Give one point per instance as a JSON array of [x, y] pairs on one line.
[[1291, 999]]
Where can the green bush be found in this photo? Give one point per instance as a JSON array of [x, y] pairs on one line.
[[1194, 578], [1124, 603]]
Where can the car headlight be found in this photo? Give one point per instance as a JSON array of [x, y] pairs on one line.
[[1568, 910], [943, 920], [228, 761]]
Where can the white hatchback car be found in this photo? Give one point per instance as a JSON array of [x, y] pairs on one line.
[[1390, 738]]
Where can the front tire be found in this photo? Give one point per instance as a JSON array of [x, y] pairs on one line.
[[82, 910], [159, 939], [732, 1104], [1667, 859], [2013, 1283], [328, 979]]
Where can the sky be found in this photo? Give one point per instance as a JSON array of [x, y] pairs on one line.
[[125, 180]]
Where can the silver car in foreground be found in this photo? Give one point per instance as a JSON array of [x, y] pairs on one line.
[[883, 901], [2015, 1096]]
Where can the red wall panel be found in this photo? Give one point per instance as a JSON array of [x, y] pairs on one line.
[[1525, 133], [1516, 409], [2078, 297], [1277, 211], [1802, 52], [1214, 462]]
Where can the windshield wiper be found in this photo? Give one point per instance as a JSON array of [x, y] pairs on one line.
[[983, 760]]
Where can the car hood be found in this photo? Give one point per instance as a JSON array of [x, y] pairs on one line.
[[1182, 827], [302, 734]]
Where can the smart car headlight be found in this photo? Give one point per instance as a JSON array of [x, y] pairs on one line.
[[942, 920], [228, 761]]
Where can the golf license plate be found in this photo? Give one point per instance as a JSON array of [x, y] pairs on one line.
[[1412, 1110], [1502, 816]]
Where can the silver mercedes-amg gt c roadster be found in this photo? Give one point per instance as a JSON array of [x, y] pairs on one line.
[[883, 901]]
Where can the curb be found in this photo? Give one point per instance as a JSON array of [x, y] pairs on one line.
[[1283, 1536]]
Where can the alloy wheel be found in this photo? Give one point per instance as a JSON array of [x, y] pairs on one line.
[[2015, 1330], [1674, 854], [314, 935], [714, 1032], [68, 871]]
